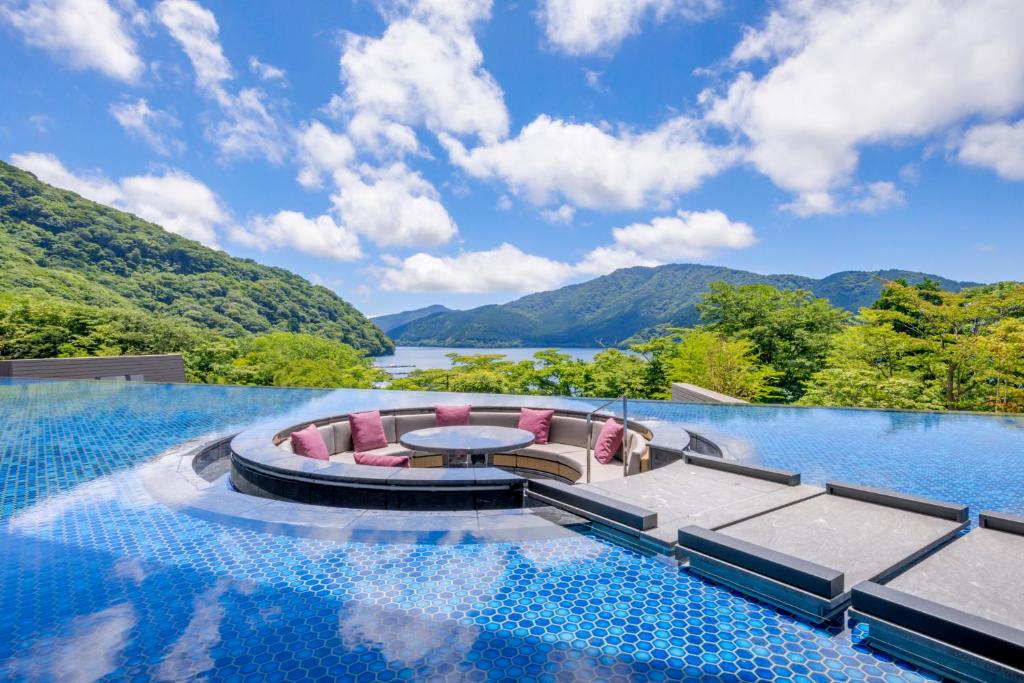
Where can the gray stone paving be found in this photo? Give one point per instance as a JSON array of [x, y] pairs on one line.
[[981, 573], [684, 494]]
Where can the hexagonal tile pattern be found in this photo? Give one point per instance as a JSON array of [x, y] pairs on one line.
[[99, 581]]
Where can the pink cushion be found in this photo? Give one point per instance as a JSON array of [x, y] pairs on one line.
[[608, 441], [367, 431], [310, 443], [537, 421], [451, 416], [381, 460]]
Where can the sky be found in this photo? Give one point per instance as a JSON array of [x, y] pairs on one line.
[[463, 152]]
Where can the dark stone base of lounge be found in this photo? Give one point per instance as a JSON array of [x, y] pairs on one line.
[[469, 489]]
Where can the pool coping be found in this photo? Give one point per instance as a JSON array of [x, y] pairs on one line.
[[169, 478]]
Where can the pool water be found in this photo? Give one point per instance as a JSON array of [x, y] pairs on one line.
[[98, 581]]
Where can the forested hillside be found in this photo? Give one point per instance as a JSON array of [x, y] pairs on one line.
[[390, 322], [55, 244], [629, 305]]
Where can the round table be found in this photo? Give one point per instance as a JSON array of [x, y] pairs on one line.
[[469, 445]]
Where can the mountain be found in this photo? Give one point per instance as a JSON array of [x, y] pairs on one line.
[[610, 309], [390, 322], [56, 244]]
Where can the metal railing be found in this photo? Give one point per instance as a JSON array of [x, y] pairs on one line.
[[625, 435]]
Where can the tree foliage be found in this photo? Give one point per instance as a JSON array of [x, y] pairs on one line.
[[713, 361], [32, 328], [55, 244], [791, 330], [921, 347]]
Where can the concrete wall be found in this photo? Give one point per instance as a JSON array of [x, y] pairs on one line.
[[165, 368], [691, 393]]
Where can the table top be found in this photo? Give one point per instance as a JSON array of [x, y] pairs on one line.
[[468, 438]]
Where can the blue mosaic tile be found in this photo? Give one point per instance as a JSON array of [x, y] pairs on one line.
[[105, 583], [98, 581]]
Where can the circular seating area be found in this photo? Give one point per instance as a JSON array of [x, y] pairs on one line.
[[263, 463], [564, 455]]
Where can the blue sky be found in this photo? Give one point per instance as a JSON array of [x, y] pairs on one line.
[[405, 153]]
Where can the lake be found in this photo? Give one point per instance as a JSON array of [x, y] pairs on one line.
[[405, 359]]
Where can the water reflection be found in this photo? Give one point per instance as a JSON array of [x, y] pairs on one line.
[[88, 651]]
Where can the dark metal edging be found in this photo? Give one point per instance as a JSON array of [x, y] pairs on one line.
[[779, 476], [1001, 521], [925, 506], [973, 634], [627, 514], [807, 576]]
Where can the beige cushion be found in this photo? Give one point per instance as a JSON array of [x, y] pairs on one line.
[[389, 428], [410, 423], [493, 418], [390, 449], [287, 445], [571, 430], [327, 432], [342, 436], [550, 450]]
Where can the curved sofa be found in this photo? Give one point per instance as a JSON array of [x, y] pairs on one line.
[[262, 464], [564, 456]]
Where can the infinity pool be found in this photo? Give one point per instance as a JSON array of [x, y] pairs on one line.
[[100, 581]]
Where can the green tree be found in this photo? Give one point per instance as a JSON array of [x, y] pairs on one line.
[[300, 360], [1004, 346], [920, 347], [791, 330], [871, 365], [614, 373], [710, 360]]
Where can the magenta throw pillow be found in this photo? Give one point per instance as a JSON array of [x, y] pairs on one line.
[[608, 441], [451, 416], [310, 443], [381, 460], [538, 421], [367, 431]]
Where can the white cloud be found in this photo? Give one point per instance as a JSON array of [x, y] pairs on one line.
[[41, 122], [267, 72], [999, 146], [879, 196], [593, 79], [426, 69], [563, 214], [247, 128], [141, 121], [686, 235], [319, 236], [174, 200], [177, 202], [580, 27], [865, 198], [196, 30], [504, 269], [89, 34], [843, 75], [594, 169], [393, 206], [609, 258], [49, 169], [321, 150]]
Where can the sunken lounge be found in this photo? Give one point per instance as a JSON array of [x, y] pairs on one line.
[[449, 457]]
